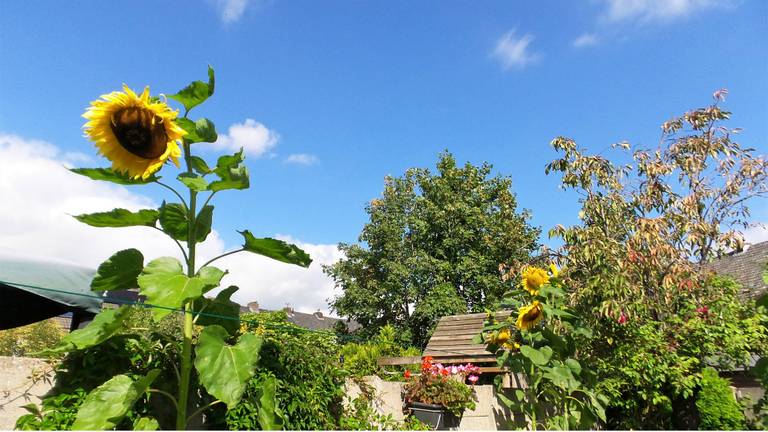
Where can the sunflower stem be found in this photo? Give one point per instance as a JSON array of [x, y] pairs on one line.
[[186, 354]]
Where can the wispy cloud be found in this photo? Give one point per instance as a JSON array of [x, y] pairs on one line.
[[251, 135], [513, 52], [231, 10], [651, 11], [586, 40], [301, 159]]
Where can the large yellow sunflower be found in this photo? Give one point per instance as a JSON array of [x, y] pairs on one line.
[[133, 132], [533, 278], [529, 316]]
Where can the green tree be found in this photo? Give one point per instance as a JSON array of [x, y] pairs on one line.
[[432, 248], [637, 264]]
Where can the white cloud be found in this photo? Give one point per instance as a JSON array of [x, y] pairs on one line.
[[301, 159], [756, 234], [39, 194], [231, 10], [251, 135], [513, 52], [646, 11], [585, 40]]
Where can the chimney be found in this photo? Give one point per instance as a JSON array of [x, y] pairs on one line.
[[318, 315], [253, 307], [288, 309]]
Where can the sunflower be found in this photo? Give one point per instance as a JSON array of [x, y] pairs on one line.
[[137, 134], [533, 278], [501, 337], [529, 316]]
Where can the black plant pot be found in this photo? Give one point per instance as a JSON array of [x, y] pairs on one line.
[[434, 415]]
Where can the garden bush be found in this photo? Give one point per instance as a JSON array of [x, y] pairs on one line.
[[718, 408], [359, 359], [30, 339]]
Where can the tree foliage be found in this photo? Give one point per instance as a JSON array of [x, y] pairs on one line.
[[638, 263], [432, 248]]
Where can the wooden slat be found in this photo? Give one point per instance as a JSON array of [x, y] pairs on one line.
[[464, 359], [474, 327], [459, 332], [455, 343], [455, 352], [445, 337], [393, 361], [474, 316]]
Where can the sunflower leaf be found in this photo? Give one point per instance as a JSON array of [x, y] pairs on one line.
[[119, 272], [220, 310], [270, 417], [200, 166], [103, 326], [233, 174], [146, 424], [275, 249], [202, 130], [193, 181], [164, 284], [223, 369], [106, 174], [118, 218], [196, 92], [107, 404], [175, 222]]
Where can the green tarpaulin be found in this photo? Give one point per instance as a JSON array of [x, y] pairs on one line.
[[34, 289]]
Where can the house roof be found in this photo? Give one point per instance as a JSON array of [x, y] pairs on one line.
[[311, 321], [746, 267], [451, 342]]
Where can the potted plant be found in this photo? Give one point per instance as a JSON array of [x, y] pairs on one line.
[[439, 395]]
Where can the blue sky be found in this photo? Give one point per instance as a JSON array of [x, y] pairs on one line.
[[358, 90]]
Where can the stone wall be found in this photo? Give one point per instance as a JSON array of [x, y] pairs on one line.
[[17, 387]]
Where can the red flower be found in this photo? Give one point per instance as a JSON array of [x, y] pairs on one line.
[[703, 310], [407, 374], [445, 372], [622, 319]]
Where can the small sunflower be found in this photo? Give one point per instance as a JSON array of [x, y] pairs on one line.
[[501, 337], [511, 346], [533, 278], [135, 133], [529, 316]]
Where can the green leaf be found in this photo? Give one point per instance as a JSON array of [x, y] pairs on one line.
[[270, 417], [538, 356], [202, 130], [477, 339], [195, 93], [107, 404], [193, 181], [220, 310], [275, 249], [200, 165], [119, 218], [119, 272], [233, 174], [224, 370], [211, 277], [146, 424], [562, 377], [105, 324], [549, 290], [550, 311], [174, 221], [573, 365], [165, 285], [106, 174]]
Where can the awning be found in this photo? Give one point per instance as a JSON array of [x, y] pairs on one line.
[[34, 289]]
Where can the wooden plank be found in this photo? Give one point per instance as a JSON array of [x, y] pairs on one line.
[[455, 352], [474, 316], [474, 327], [393, 361], [444, 337], [465, 359], [461, 347], [456, 332]]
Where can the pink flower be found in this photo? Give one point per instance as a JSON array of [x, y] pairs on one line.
[[473, 378], [622, 319], [454, 370], [703, 310]]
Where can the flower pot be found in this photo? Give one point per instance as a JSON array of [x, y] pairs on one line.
[[434, 415]]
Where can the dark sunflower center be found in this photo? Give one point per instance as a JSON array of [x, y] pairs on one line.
[[140, 131]]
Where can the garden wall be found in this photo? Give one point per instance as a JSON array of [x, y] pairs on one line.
[[489, 414], [17, 388]]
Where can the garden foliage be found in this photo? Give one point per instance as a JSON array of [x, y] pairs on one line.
[[360, 359], [717, 407], [636, 266], [30, 339]]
